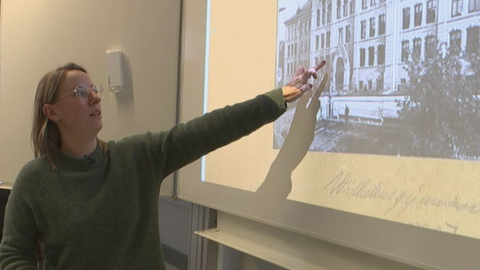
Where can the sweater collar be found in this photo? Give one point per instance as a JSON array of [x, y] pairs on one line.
[[64, 161]]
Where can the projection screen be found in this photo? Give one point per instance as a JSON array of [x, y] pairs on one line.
[[389, 160]]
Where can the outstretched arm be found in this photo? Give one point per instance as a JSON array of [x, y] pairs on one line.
[[185, 143]]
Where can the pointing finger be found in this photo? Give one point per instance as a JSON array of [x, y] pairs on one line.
[[320, 65]]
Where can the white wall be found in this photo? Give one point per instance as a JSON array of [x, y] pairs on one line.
[[39, 35]]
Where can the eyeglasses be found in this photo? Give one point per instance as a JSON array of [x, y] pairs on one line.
[[83, 92]]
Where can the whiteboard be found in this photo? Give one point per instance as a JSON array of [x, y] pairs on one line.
[[320, 194]]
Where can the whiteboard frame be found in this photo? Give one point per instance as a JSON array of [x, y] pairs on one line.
[[420, 247]]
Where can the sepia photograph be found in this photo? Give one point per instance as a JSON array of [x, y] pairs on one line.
[[404, 75]]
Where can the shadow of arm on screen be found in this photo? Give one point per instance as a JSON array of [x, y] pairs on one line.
[[278, 182]]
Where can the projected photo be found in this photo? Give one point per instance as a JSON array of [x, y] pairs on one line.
[[404, 75]]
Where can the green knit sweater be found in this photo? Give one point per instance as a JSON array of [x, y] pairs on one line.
[[102, 213]]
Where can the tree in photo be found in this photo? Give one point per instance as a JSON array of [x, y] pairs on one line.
[[441, 110]]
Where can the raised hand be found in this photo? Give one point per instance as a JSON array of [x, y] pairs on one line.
[[299, 84]]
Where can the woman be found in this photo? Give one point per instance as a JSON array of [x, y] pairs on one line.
[[92, 204]]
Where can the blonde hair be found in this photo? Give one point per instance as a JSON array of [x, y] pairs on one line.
[[45, 133]]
